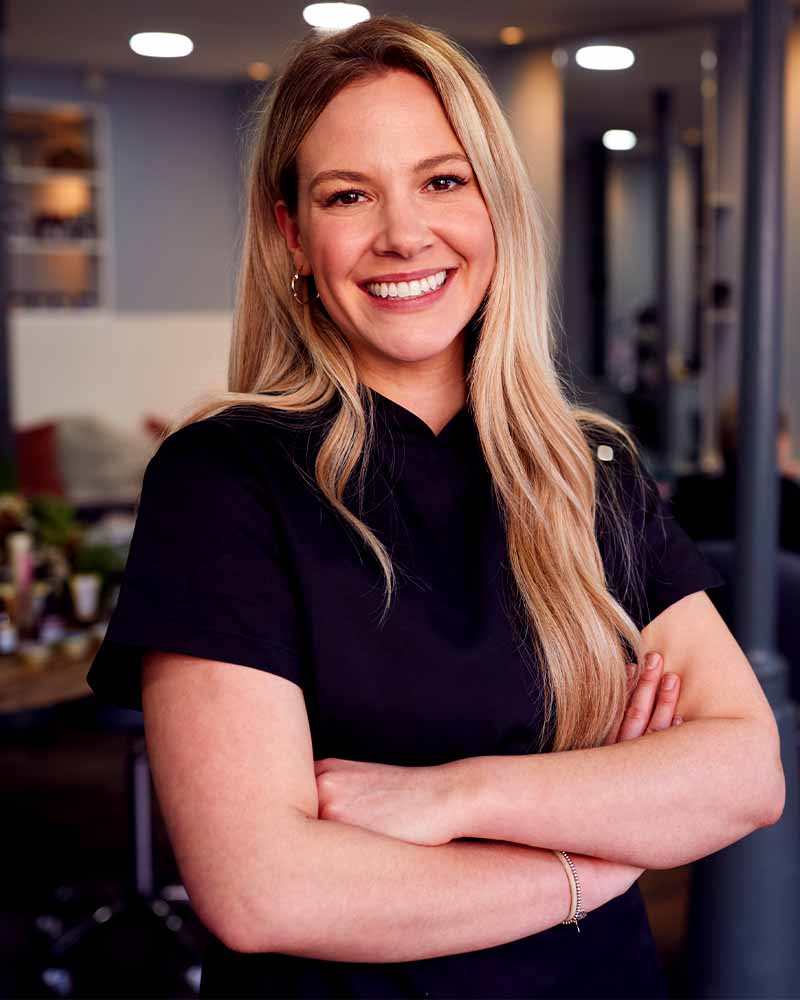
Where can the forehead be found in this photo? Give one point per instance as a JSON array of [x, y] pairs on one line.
[[396, 117]]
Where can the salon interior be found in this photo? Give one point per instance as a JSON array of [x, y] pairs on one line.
[[664, 147]]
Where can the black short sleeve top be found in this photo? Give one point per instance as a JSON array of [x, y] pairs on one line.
[[236, 557]]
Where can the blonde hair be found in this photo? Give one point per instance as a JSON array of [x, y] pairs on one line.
[[536, 444]]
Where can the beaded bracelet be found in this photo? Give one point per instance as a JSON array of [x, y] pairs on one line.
[[576, 913]]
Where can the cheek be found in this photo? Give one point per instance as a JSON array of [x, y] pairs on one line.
[[470, 231], [336, 250]]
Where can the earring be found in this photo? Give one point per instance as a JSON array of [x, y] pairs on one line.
[[295, 279]]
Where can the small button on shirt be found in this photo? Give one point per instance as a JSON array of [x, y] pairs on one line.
[[237, 557]]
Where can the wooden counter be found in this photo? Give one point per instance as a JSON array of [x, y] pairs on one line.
[[23, 688]]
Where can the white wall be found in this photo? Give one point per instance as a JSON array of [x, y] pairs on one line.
[[118, 366]]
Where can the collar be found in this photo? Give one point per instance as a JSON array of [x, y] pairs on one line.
[[398, 421]]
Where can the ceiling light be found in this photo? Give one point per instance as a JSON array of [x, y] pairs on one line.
[[161, 44], [334, 16], [619, 138], [708, 59], [259, 70], [604, 57], [511, 34]]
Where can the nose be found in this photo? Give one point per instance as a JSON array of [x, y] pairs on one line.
[[402, 229]]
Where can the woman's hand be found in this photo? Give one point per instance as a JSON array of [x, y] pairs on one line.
[[416, 804], [651, 704], [408, 803]]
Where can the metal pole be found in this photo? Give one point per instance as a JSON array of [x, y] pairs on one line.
[[662, 106], [8, 456], [597, 160], [743, 918]]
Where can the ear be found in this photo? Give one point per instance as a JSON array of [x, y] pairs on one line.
[[291, 233]]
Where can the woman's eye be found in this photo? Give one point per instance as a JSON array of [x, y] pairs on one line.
[[334, 198], [452, 181], [457, 181]]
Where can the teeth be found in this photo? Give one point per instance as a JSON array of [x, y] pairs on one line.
[[407, 289]]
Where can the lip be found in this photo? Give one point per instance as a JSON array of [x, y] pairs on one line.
[[415, 304], [408, 276]]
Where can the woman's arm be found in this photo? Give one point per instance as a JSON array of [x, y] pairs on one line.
[[659, 801], [231, 755], [350, 895]]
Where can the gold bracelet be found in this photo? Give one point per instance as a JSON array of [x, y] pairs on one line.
[[576, 913]]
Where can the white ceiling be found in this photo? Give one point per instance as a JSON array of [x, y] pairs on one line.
[[230, 35]]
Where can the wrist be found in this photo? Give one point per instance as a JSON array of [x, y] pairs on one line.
[[465, 783]]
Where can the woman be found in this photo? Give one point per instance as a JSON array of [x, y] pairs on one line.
[[376, 806]]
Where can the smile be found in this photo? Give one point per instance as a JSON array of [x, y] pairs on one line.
[[409, 294]]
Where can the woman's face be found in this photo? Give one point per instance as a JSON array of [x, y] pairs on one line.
[[405, 205]]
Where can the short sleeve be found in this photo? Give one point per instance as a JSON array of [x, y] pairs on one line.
[[207, 573], [667, 565]]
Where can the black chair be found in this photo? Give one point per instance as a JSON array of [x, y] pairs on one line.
[[138, 901]]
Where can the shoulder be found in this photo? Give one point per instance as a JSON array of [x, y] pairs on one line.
[[237, 441], [207, 465], [790, 489], [625, 488]]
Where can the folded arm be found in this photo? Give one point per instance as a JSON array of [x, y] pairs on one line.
[[231, 756], [659, 801]]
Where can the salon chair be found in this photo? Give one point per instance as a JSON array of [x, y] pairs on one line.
[[138, 902]]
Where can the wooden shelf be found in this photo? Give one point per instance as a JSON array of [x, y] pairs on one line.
[[56, 244], [41, 175], [52, 200]]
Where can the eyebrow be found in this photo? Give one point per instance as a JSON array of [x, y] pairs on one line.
[[353, 175]]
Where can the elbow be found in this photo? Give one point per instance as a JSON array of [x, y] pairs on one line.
[[240, 924], [774, 804], [248, 934], [771, 781]]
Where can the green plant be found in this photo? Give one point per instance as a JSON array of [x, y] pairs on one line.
[[55, 520], [103, 559]]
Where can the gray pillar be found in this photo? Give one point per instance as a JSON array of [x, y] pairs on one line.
[[744, 920], [7, 441], [597, 161], [662, 108]]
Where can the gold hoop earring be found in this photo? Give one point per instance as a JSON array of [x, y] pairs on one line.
[[295, 278]]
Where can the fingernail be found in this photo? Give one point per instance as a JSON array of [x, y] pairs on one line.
[[678, 720], [670, 681], [652, 661]]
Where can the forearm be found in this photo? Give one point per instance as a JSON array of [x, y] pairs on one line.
[[348, 894], [659, 801]]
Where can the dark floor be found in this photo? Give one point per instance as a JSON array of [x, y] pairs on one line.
[[65, 834]]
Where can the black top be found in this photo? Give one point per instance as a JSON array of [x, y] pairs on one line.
[[705, 506], [236, 557]]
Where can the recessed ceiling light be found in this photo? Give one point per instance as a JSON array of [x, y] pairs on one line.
[[259, 70], [161, 44], [604, 57], [619, 138], [511, 34], [708, 59], [334, 16]]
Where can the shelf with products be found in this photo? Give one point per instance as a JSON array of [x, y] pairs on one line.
[[58, 197]]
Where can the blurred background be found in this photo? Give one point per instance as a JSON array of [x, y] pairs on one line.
[[122, 184]]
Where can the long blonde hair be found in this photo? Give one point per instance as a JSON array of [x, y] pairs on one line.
[[537, 445]]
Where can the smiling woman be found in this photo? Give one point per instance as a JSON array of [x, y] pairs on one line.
[[352, 238], [380, 804]]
